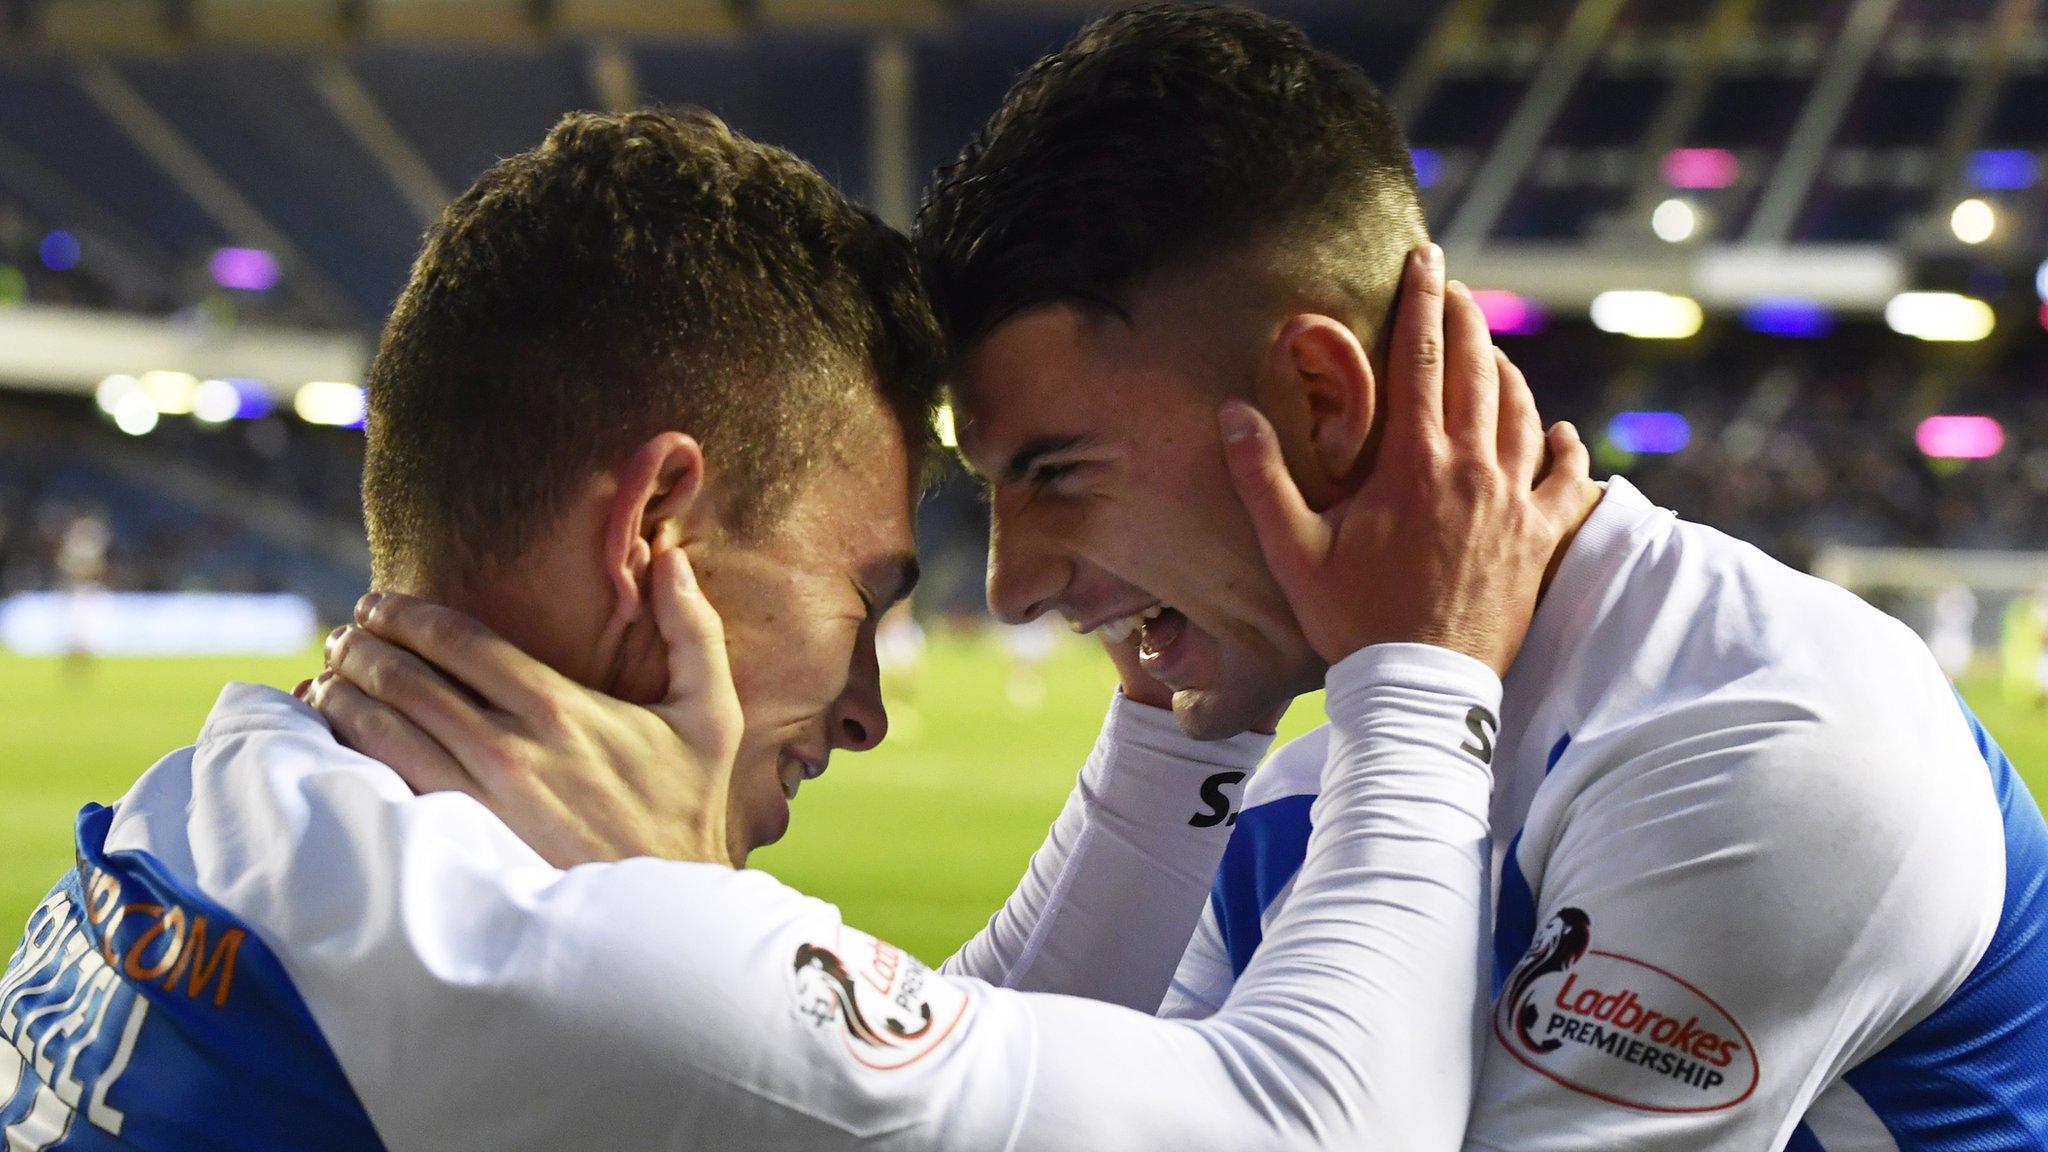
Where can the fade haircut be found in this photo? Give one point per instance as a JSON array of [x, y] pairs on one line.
[[635, 273], [1161, 136]]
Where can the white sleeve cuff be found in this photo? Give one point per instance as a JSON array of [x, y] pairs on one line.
[[1144, 768]]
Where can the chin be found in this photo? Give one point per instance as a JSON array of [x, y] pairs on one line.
[[1219, 713]]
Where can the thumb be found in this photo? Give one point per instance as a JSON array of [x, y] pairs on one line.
[[1291, 535], [700, 685], [1569, 467]]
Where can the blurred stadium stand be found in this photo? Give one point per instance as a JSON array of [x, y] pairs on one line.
[[1780, 170]]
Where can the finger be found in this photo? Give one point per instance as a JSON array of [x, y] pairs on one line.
[[1561, 492], [1415, 356], [376, 731], [417, 693], [1291, 535], [462, 647], [700, 688], [1521, 428], [1471, 375]]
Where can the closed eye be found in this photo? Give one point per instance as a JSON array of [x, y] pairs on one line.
[[1046, 475]]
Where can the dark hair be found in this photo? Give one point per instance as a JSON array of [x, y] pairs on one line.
[[637, 272], [1160, 135]]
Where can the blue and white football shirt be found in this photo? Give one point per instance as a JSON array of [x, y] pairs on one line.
[[1761, 880], [271, 943], [138, 1014]]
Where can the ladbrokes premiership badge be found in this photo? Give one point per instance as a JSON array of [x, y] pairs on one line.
[[1619, 1029], [889, 1010]]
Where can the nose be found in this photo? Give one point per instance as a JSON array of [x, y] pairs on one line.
[[1025, 576], [859, 719]]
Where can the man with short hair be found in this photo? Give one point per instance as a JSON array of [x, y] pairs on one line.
[[1762, 881], [651, 351]]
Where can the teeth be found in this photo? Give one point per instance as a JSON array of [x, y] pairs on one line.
[[1120, 629]]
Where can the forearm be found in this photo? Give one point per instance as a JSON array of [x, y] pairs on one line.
[[1109, 901], [1354, 1027]]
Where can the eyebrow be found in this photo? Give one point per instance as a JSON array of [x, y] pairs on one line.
[[1032, 451]]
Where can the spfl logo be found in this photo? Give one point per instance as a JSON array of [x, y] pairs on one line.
[[1619, 1029], [889, 1010]]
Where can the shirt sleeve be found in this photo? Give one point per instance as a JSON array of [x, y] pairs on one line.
[[1202, 981], [477, 999], [1105, 909], [1731, 919]]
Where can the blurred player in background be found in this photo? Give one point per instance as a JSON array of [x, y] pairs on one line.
[[1030, 646], [2023, 649], [610, 355], [900, 654], [82, 562], [1951, 636], [1762, 881]]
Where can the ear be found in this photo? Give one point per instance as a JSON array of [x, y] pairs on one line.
[[1317, 385], [658, 501]]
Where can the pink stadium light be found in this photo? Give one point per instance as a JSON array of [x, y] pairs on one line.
[[1701, 168], [248, 269], [1960, 437], [1509, 313]]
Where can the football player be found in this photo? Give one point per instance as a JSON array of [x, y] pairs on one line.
[[648, 369], [1762, 881]]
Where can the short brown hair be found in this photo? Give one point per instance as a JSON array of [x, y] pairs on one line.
[[634, 273], [1162, 135]]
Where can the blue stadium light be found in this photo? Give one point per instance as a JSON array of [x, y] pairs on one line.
[[60, 251], [1788, 316], [1429, 167], [256, 399], [1649, 433], [2004, 169], [2041, 281]]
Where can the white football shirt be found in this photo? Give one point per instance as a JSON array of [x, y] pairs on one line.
[[378, 962], [1762, 880]]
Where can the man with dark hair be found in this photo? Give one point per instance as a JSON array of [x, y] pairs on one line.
[[1762, 881], [645, 351]]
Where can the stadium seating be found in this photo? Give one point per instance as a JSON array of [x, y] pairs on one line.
[[1539, 126]]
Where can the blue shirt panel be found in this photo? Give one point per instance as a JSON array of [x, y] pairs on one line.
[[140, 1015], [1973, 1077], [1265, 851]]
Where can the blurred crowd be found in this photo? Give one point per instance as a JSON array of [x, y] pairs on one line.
[[1792, 446]]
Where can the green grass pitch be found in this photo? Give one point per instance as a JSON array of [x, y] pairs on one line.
[[918, 841]]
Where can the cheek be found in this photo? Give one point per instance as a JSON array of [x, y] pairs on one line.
[[787, 673]]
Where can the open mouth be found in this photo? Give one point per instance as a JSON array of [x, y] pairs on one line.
[[794, 772], [1118, 630], [1160, 632]]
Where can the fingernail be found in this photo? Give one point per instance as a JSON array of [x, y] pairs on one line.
[[367, 605], [304, 687], [1458, 286], [1236, 422], [333, 638], [1433, 259]]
